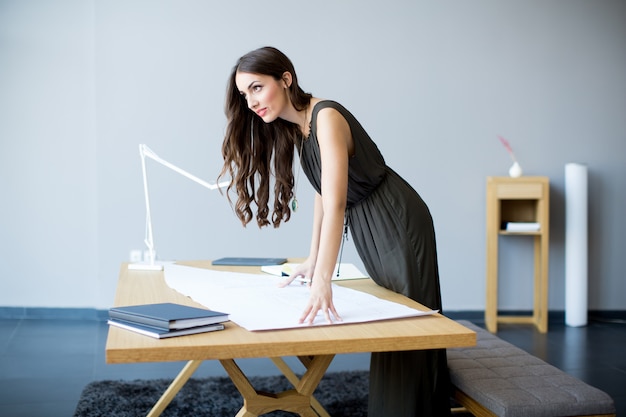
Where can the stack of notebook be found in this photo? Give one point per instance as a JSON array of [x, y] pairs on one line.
[[166, 319]]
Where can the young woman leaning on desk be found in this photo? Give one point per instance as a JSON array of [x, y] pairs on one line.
[[270, 118]]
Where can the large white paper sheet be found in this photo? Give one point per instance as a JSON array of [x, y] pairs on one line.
[[342, 271], [255, 302]]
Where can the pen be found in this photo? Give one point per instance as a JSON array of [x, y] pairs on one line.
[[303, 280]]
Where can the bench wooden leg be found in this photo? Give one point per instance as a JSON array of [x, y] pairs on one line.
[[458, 410], [470, 405]]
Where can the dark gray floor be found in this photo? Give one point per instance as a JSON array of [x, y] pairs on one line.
[[44, 364]]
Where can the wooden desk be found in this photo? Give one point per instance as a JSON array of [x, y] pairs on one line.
[[315, 346]]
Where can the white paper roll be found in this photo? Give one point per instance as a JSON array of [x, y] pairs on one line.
[[576, 244]]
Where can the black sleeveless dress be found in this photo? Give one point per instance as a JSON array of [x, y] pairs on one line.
[[393, 233]]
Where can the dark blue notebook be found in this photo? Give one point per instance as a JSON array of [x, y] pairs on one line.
[[158, 333], [249, 261], [167, 316]]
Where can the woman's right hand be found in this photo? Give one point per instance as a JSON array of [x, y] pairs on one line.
[[303, 271]]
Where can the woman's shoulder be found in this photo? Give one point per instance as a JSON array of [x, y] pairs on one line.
[[329, 110], [321, 103]]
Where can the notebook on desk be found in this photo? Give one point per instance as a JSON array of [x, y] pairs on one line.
[[244, 261]]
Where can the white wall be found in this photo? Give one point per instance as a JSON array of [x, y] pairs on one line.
[[82, 83], [49, 204]]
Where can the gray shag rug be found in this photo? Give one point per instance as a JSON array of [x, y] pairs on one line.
[[341, 394]]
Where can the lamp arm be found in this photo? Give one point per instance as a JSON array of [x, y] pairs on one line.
[[145, 151]]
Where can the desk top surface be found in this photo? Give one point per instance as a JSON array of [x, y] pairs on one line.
[[142, 287]]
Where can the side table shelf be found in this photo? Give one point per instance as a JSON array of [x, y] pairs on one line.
[[518, 200]]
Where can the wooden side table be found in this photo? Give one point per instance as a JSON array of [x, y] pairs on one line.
[[520, 203]]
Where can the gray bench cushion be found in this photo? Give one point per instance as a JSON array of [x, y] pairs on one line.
[[512, 383]]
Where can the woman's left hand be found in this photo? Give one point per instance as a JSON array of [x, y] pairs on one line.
[[321, 298]]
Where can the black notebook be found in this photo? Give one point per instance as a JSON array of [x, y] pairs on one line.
[[167, 316], [249, 261]]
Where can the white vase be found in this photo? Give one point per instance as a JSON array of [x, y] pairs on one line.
[[515, 171]]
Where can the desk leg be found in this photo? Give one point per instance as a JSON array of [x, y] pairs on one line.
[[298, 400], [174, 387], [293, 378]]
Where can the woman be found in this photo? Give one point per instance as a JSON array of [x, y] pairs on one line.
[[269, 117]]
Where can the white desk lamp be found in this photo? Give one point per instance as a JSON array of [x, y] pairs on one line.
[[144, 152]]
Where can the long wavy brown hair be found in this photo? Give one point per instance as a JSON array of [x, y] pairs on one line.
[[253, 150]]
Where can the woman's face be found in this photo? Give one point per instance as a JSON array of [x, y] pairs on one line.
[[265, 96]]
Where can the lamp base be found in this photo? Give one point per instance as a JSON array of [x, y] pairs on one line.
[[142, 266]]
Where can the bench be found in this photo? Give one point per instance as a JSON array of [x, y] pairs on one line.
[[495, 378]]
